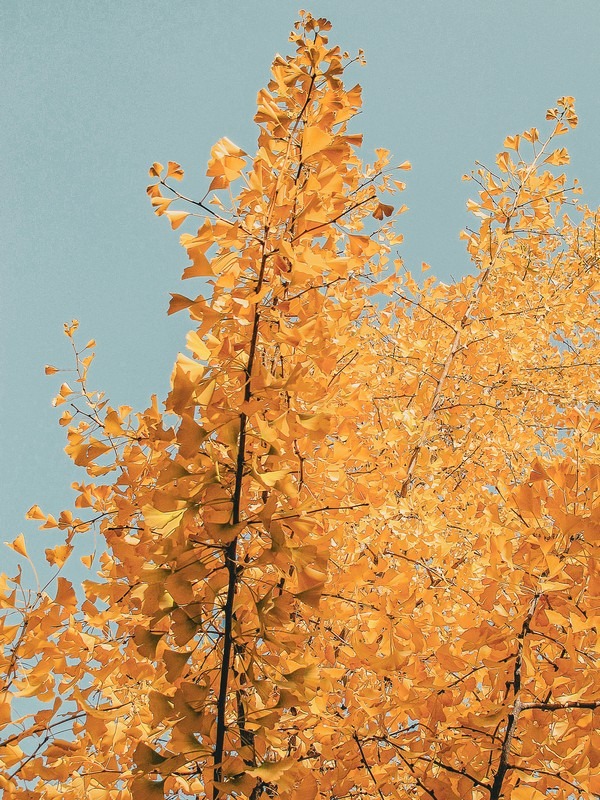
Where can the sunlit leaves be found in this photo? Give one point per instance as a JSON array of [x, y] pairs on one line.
[[174, 170], [18, 545], [355, 552], [558, 157], [225, 164], [314, 139]]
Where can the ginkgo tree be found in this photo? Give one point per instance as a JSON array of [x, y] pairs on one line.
[[355, 551]]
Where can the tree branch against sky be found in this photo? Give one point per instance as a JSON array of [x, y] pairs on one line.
[[354, 553]]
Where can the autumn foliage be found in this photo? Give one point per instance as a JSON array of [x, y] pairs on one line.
[[355, 552]]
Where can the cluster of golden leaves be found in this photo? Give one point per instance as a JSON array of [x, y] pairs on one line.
[[356, 554]]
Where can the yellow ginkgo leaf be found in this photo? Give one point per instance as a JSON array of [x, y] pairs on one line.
[[18, 544], [174, 170], [314, 139]]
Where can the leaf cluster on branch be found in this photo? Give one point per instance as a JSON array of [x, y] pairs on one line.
[[355, 553]]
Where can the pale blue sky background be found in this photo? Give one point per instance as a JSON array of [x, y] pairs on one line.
[[94, 92]]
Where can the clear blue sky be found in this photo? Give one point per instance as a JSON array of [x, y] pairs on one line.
[[94, 92]]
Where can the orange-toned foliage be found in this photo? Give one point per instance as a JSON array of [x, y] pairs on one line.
[[356, 552]]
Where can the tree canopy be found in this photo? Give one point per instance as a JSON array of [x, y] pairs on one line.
[[354, 553]]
